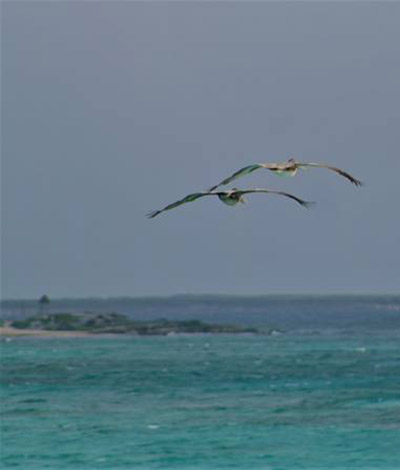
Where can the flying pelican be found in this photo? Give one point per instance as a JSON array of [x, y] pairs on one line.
[[231, 198], [288, 168]]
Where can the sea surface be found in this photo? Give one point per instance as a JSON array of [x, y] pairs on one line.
[[324, 394]]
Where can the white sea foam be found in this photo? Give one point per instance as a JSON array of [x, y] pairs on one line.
[[153, 426]]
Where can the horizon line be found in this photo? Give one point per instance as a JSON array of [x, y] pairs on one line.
[[171, 296]]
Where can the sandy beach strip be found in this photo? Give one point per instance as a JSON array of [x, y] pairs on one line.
[[9, 331]]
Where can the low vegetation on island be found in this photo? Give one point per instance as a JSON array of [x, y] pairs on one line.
[[115, 323]]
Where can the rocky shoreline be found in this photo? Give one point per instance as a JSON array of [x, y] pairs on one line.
[[85, 324]]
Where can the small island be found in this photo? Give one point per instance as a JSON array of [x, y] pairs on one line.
[[116, 323]]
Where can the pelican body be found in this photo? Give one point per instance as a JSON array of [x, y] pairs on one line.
[[231, 198]]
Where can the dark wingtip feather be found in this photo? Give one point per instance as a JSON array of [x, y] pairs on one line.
[[152, 214], [307, 204], [352, 180]]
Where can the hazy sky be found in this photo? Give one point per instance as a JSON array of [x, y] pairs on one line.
[[112, 109]]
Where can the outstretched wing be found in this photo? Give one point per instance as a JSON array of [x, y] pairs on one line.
[[280, 193], [243, 171], [333, 168], [188, 198]]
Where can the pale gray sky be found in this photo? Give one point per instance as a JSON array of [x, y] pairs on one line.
[[113, 109]]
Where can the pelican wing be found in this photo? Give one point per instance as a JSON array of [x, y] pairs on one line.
[[188, 198], [333, 168], [280, 193], [238, 174]]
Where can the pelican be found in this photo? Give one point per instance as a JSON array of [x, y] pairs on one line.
[[231, 198], [288, 168]]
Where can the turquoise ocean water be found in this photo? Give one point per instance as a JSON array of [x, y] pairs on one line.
[[326, 399]]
